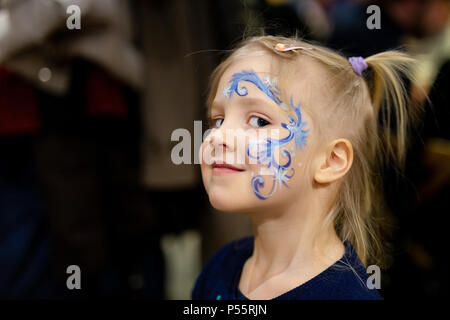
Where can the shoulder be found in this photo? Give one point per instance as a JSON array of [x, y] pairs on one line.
[[220, 269], [348, 278], [344, 280]]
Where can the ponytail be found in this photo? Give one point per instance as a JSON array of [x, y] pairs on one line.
[[388, 73]]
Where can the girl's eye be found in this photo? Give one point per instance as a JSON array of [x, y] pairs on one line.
[[258, 122], [217, 122]]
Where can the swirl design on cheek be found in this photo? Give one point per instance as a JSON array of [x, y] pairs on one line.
[[265, 154], [265, 151]]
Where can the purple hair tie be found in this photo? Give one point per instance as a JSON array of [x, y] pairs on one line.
[[358, 64]]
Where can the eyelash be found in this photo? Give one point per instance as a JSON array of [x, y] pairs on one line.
[[213, 122]]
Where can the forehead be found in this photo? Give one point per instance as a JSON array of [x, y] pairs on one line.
[[302, 79], [264, 66]]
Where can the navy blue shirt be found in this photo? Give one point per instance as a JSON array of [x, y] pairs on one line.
[[346, 279]]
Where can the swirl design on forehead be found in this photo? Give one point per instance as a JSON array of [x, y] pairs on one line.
[[265, 150], [268, 86]]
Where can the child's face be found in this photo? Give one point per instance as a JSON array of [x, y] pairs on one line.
[[257, 155]]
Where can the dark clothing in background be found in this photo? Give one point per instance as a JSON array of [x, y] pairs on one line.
[[78, 200], [87, 158], [24, 242], [79, 121], [18, 107], [25, 249]]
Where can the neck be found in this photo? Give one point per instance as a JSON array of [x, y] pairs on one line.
[[294, 240]]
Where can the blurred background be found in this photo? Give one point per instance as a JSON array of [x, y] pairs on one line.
[[86, 117]]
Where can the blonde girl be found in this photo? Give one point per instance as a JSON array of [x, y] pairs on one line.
[[299, 136]]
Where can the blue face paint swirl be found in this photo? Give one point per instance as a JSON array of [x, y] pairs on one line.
[[297, 127], [268, 87], [265, 154]]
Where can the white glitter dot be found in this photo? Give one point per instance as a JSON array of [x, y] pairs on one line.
[[45, 74], [299, 164]]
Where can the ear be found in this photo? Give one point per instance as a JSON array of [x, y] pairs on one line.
[[336, 161]]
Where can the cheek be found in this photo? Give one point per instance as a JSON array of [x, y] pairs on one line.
[[231, 194], [205, 168], [261, 185], [298, 157], [205, 153], [280, 171], [302, 164]]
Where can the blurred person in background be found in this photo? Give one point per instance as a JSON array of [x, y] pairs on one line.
[[69, 121]]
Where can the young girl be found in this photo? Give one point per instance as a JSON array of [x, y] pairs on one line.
[[299, 133]]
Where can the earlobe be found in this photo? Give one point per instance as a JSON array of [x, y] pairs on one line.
[[336, 161]]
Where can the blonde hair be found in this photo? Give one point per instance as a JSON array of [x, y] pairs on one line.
[[377, 108]]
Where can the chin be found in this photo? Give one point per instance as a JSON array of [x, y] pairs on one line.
[[235, 203], [222, 202], [229, 199]]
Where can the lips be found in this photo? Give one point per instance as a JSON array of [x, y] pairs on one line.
[[224, 168]]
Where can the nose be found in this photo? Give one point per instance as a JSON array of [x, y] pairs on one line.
[[226, 143], [213, 147], [217, 139]]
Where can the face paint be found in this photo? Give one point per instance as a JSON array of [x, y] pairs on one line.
[[265, 154], [282, 173], [268, 87]]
